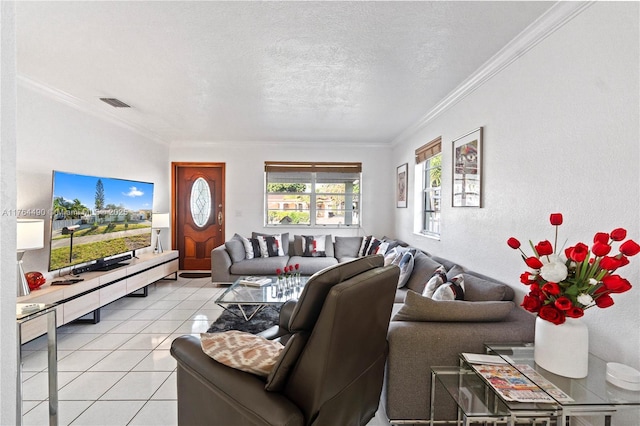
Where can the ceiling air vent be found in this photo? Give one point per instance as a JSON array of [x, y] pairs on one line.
[[116, 103]]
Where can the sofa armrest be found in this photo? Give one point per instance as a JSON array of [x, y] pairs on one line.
[[220, 264], [209, 391], [414, 347]]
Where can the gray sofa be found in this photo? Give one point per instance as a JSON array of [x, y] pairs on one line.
[[229, 261], [422, 333]]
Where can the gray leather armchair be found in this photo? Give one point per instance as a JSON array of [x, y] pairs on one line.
[[330, 372]]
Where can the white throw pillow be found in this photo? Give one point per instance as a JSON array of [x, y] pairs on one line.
[[438, 278], [451, 290], [406, 268]]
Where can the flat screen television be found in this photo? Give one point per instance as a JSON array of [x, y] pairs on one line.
[[94, 219]]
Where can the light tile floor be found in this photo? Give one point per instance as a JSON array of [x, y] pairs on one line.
[[119, 371]]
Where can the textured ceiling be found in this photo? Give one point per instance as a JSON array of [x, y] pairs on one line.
[[263, 71]]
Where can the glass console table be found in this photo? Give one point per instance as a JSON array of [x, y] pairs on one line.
[[26, 312], [478, 401]]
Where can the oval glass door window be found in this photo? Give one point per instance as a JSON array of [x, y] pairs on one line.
[[200, 202]]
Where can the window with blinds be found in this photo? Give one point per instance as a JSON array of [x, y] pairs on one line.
[[312, 194], [429, 163]]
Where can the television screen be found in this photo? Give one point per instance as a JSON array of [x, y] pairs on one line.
[[97, 217]]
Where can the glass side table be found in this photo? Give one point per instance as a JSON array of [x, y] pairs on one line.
[[26, 312], [478, 403], [592, 395]]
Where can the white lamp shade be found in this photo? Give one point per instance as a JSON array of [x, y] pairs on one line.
[[30, 234], [160, 220]]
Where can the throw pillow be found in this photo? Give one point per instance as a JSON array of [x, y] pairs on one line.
[[347, 247], [364, 246], [236, 249], [477, 289], [419, 308], [284, 238], [314, 245], [406, 268], [251, 246], [451, 290], [423, 269], [438, 278], [242, 351], [270, 245]]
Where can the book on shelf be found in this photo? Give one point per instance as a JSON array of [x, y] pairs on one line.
[[255, 281]]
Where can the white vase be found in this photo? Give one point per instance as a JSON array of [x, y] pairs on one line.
[[562, 349]]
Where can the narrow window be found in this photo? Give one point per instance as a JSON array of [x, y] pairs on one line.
[[428, 180]]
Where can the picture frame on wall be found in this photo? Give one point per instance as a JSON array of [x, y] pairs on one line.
[[402, 182], [467, 170]]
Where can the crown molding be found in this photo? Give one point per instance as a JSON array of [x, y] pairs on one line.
[[279, 144], [553, 19], [88, 108]]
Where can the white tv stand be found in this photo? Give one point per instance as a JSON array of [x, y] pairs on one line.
[[98, 289]]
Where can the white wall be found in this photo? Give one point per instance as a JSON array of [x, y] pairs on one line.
[[561, 134], [245, 181], [8, 269], [67, 139]]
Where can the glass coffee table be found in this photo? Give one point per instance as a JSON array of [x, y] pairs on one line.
[[478, 401], [251, 299]]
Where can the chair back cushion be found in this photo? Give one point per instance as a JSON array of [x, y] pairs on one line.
[[339, 374], [315, 291]]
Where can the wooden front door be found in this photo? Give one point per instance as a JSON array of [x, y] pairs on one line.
[[198, 199]]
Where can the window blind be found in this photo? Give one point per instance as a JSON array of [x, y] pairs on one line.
[[429, 150]]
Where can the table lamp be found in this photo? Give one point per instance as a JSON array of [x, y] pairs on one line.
[[30, 236], [159, 221]]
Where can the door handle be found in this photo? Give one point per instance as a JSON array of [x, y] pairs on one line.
[[219, 218]]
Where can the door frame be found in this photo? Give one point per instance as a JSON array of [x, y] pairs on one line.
[[175, 165]]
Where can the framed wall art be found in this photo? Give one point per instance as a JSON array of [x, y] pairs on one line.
[[402, 181], [467, 170]]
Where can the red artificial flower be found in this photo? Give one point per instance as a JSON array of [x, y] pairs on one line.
[[601, 249], [577, 253], [527, 278], [297, 266], [513, 243], [618, 234], [629, 248], [616, 284], [278, 271], [551, 314], [612, 263], [556, 219], [531, 304], [551, 288], [604, 301], [544, 248], [533, 262], [575, 312], [563, 303], [602, 237], [624, 260]]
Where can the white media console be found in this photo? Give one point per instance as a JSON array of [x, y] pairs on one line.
[[99, 288]]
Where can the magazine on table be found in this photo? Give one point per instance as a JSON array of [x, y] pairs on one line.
[[255, 281], [512, 385]]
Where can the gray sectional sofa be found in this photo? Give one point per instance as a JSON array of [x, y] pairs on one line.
[[422, 332], [229, 261]]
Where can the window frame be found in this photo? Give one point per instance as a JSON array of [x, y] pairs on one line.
[[428, 222], [317, 171]]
